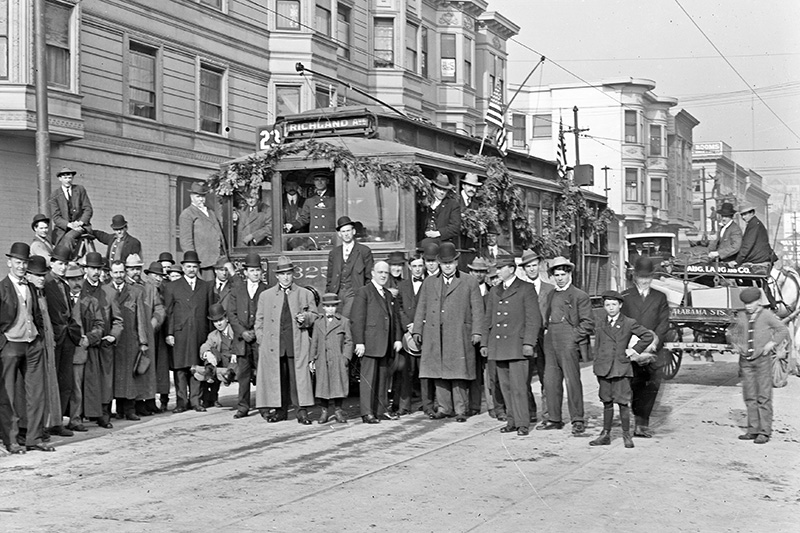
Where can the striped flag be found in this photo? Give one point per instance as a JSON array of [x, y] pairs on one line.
[[494, 115], [501, 140], [561, 151]]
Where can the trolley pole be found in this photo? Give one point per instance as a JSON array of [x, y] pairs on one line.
[[705, 212], [42, 114]]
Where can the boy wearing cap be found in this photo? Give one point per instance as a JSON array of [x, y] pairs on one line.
[[120, 244], [613, 367], [217, 351], [755, 334], [331, 352], [71, 210]]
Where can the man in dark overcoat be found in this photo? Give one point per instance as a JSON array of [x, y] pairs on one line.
[[512, 324], [186, 303], [155, 278], [70, 210], [242, 307], [729, 238], [407, 298], [649, 308], [755, 241], [349, 265], [448, 323]]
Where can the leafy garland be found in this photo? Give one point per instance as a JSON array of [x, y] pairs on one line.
[[244, 176]]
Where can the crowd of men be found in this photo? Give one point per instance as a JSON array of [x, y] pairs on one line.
[[81, 337]]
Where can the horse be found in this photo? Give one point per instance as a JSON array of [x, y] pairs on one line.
[[785, 285]]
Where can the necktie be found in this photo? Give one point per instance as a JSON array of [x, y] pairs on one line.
[[750, 347], [68, 193], [419, 279], [286, 289], [448, 279]]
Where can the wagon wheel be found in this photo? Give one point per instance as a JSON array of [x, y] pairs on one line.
[[672, 362]]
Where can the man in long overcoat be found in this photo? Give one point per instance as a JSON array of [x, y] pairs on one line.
[[98, 386], [201, 231], [512, 325], [285, 313], [447, 324], [186, 303], [755, 246], [349, 265]]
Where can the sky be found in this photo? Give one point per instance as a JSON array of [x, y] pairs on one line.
[[655, 39]]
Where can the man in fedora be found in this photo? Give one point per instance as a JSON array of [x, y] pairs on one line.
[[201, 231], [448, 323], [649, 307], [156, 278], [492, 250], [469, 188], [21, 353], [98, 388], [511, 328], [70, 209], [120, 244], [729, 239], [242, 307], [284, 314], [377, 333], [569, 323], [66, 330], [441, 219], [186, 303], [317, 214], [349, 265], [755, 246], [41, 245], [253, 221]]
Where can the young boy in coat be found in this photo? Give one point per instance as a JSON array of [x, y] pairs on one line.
[[612, 365], [331, 351], [219, 361]]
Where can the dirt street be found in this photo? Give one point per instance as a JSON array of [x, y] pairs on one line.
[[206, 471]]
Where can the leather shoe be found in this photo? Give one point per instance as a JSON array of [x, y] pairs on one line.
[[77, 427], [105, 424], [200, 409], [604, 439], [41, 447], [761, 439], [240, 414], [61, 431], [179, 410], [16, 449], [461, 419], [550, 425], [132, 416], [438, 415], [627, 439], [748, 436], [391, 416], [508, 429], [643, 432], [275, 417], [578, 428], [369, 419], [217, 404], [502, 418], [303, 420], [403, 412], [522, 432]]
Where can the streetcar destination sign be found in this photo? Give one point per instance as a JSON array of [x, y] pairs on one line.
[[700, 314]]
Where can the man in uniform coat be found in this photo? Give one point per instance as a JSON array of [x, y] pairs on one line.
[[349, 265], [755, 241], [376, 332], [569, 323], [98, 379], [318, 211], [512, 324], [70, 209], [448, 323], [242, 307], [284, 315], [729, 241], [649, 308], [442, 218], [21, 354], [201, 231], [186, 303], [120, 244]]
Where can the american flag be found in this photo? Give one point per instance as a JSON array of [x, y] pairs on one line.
[[501, 140], [494, 115], [561, 152]]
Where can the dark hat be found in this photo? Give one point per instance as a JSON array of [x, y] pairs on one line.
[[505, 260], [106, 264], [492, 272], [216, 312], [37, 265], [252, 260], [290, 185], [750, 294], [430, 251], [612, 295], [65, 170], [344, 221], [410, 346], [442, 182], [726, 210], [73, 271], [284, 265], [93, 259], [198, 187], [166, 256], [61, 253], [175, 268], [118, 222], [396, 258], [471, 179], [20, 250], [643, 266], [447, 253], [155, 268], [528, 256], [330, 298], [560, 262], [320, 173], [39, 218], [221, 262], [190, 257], [492, 229], [478, 264]]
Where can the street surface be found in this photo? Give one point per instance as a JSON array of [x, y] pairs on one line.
[[207, 471]]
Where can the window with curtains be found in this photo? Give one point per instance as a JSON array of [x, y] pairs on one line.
[[383, 42], [632, 185], [448, 59], [411, 47], [467, 61], [343, 14], [423, 60], [287, 100], [288, 15], [631, 127], [142, 80], [3, 39], [542, 127], [59, 57], [212, 94], [322, 17]]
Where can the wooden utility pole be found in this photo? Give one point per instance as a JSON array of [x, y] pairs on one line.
[[42, 114]]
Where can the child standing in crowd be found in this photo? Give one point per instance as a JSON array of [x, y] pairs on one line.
[[331, 351], [612, 365]]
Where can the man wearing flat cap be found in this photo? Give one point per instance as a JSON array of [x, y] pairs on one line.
[[755, 335], [120, 244], [755, 246], [70, 209], [441, 219], [729, 239], [201, 231], [349, 265], [317, 215]]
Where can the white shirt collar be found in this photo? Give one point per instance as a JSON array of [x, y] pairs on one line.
[[565, 287], [378, 287]]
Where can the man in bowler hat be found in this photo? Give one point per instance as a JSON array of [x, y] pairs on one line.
[[349, 265], [120, 244]]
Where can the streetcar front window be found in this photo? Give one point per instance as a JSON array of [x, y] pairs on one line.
[[376, 211]]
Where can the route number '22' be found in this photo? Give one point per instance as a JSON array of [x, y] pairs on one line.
[[269, 138]]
